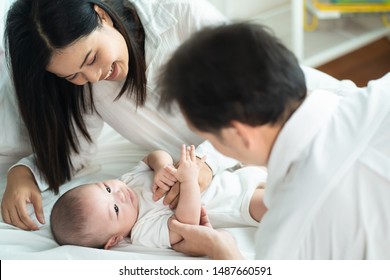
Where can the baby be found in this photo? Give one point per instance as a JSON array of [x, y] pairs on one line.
[[102, 214]]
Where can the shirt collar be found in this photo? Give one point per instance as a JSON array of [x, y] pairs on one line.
[[298, 132]]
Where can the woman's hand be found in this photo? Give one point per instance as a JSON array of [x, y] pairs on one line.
[[173, 195], [21, 189], [203, 240]]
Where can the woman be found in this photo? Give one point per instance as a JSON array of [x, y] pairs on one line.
[[79, 63]]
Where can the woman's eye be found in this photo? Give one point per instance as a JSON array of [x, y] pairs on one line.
[[116, 209], [93, 61], [72, 77], [108, 189]]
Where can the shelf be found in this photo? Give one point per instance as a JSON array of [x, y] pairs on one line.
[[332, 39]]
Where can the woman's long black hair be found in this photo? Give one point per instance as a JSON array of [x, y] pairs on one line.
[[51, 107]]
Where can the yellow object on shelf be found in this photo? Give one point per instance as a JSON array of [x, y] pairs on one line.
[[353, 6], [328, 9]]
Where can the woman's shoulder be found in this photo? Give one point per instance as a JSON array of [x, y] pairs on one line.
[[158, 16], [174, 5], [167, 2]]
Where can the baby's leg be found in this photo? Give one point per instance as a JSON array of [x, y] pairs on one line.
[[256, 206]]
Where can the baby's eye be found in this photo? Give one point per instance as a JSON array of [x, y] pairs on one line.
[[116, 209], [108, 189]]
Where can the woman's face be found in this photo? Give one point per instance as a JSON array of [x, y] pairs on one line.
[[102, 55]]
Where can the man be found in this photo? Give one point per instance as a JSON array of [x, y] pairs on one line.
[[328, 156]]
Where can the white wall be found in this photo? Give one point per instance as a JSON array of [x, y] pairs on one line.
[[244, 9]]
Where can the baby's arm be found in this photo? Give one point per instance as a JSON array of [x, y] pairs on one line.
[[188, 208], [157, 161]]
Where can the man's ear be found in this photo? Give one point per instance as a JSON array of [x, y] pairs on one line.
[[244, 132], [103, 14], [114, 240]]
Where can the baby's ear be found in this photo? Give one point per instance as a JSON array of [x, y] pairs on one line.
[[114, 240]]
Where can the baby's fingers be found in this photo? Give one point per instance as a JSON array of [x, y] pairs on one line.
[[171, 170], [191, 153], [183, 155], [168, 178]]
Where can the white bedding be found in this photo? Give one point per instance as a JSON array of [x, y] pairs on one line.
[[115, 157]]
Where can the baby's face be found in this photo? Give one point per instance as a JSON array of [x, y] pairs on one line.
[[112, 207]]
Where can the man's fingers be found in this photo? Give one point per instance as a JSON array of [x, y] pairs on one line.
[[159, 193], [163, 186], [174, 203], [175, 225], [204, 218], [172, 194]]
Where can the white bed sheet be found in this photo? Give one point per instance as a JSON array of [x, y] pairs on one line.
[[115, 157]]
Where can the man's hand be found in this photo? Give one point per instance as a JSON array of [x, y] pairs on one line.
[[203, 240]]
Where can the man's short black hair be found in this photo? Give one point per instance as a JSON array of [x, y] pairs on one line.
[[231, 72]]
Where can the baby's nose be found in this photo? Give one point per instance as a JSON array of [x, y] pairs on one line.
[[120, 196]]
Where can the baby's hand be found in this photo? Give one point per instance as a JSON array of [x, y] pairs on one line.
[[188, 166], [163, 179]]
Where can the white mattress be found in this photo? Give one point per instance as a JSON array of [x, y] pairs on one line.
[[115, 157]]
